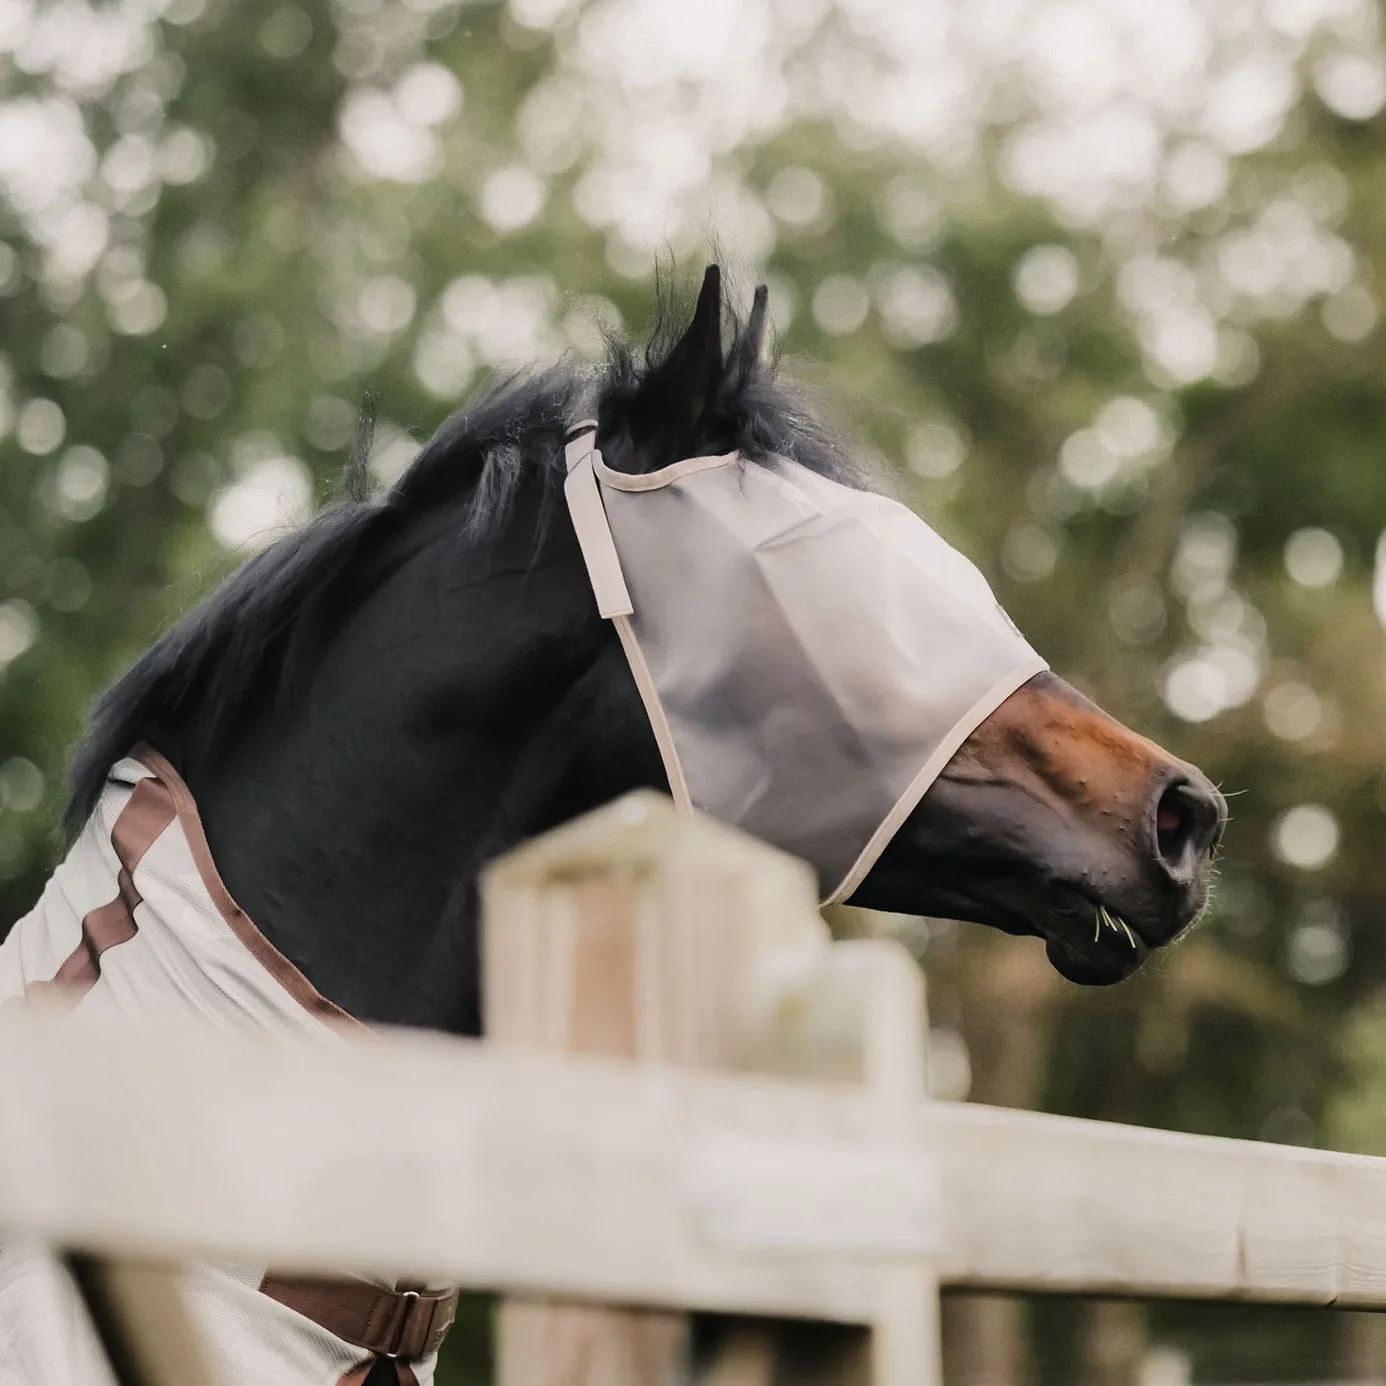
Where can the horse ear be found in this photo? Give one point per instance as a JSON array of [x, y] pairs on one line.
[[693, 370], [755, 328], [750, 347]]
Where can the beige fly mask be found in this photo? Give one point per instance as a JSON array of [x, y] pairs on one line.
[[810, 656]]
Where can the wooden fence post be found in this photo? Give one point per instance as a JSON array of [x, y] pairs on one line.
[[642, 933], [855, 1013], [905, 1339], [632, 933]]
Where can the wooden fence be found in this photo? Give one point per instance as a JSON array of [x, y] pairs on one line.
[[689, 1101]]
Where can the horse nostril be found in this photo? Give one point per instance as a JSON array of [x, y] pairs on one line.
[[1189, 818]]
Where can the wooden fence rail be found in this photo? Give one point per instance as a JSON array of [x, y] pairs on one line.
[[705, 1191], [761, 1147]]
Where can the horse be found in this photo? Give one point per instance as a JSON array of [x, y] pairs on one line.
[[375, 706]]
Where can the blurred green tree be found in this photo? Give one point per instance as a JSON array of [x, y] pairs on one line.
[[1100, 280]]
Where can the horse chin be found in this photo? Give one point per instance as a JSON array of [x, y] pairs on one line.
[[1099, 964], [1084, 943], [1097, 954], [1087, 942]]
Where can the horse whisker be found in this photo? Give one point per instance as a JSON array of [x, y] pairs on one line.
[[1114, 922]]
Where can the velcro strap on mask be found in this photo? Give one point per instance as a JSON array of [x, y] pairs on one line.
[[584, 496]]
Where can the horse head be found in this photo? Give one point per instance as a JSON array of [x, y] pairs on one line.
[[1049, 817]]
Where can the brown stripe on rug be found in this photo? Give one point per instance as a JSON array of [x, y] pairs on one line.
[[147, 812]]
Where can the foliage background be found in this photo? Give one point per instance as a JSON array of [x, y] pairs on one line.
[[1102, 278]]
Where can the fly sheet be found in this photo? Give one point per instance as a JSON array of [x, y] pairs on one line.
[[810, 656], [136, 922]]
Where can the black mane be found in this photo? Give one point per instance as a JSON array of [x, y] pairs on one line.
[[261, 630]]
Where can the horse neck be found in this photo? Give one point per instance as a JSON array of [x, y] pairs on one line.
[[438, 729]]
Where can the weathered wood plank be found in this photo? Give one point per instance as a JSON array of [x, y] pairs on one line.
[[579, 1178], [905, 1343], [630, 933], [508, 1172], [1047, 1203]]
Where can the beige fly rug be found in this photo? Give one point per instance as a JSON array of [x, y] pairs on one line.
[[136, 922]]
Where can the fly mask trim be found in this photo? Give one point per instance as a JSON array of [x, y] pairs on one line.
[[589, 520], [609, 587], [810, 656]]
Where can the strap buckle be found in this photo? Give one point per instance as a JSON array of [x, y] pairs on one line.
[[408, 1301]]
